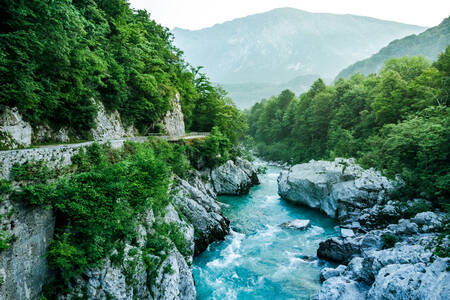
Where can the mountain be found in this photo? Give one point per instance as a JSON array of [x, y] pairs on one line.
[[247, 94], [279, 45], [429, 44]]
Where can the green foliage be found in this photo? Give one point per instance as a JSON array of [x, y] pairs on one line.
[[389, 240], [397, 121], [417, 207], [5, 187], [213, 151], [5, 240], [56, 57], [99, 206], [34, 171]]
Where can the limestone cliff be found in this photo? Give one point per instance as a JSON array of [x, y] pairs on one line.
[[194, 209]]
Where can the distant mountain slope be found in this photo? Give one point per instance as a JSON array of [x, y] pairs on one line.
[[429, 44], [247, 94], [284, 43]]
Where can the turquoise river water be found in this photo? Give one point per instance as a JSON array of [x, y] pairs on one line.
[[259, 259]]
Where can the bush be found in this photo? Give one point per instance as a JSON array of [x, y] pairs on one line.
[[389, 240]]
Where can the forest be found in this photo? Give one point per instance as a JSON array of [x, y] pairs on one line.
[[58, 57], [397, 121]]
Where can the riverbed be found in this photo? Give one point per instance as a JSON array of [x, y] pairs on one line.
[[259, 259]]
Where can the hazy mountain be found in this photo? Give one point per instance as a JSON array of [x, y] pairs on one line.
[[247, 94], [429, 44], [280, 45]]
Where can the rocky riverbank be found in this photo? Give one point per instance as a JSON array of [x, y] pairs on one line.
[[194, 209], [382, 253]]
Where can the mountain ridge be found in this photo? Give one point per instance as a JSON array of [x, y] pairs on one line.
[[428, 43]]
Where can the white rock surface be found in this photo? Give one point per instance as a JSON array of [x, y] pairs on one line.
[[234, 178], [336, 187], [109, 125], [173, 122], [297, 224], [14, 131]]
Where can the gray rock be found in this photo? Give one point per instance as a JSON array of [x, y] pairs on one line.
[[338, 250], [342, 288], [173, 122], [412, 281], [14, 131], [297, 224], [326, 273], [428, 221], [198, 203], [347, 232], [175, 281], [233, 178], [23, 267], [337, 187], [109, 125]]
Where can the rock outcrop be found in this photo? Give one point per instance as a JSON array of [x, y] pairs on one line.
[[14, 131], [23, 266], [376, 268], [109, 125], [339, 188], [194, 210], [234, 177], [198, 202], [173, 122]]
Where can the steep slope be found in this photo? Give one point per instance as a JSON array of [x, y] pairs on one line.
[[429, 44], [281, 44]]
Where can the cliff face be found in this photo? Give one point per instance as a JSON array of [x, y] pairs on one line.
[[168, 275], [17, 133], [23, 267]]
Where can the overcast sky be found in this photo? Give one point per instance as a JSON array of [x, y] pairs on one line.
[[196, 14]]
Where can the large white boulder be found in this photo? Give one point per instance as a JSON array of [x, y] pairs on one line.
[[335, 187], [234, 178]]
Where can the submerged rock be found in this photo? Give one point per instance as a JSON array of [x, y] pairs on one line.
[[336, 187], [297, 224]]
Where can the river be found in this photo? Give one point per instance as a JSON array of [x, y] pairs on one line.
[[259, 259]]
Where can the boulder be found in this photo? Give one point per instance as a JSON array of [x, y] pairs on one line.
[[347, 232], [326, 273], [198, 203], [341, 288], [412, 281], [297, 224], [338, 249], [234, 178], [336, 187]]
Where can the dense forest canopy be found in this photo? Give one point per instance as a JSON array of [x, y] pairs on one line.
[[57, 56], [397, 121]]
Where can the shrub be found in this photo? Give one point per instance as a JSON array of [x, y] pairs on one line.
[[389, 240]]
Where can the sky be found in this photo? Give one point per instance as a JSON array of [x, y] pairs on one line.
[[197, 14]]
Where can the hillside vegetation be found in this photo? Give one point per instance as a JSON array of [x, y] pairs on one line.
[[56, 56], [397, 121], [429, 44]]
